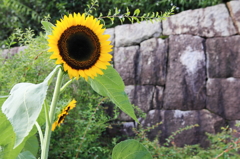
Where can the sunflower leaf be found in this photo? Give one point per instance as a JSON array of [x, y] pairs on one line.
[[4, 96], [32, 145], [24, 105], [7, 137], [130, 149], [111, 84], [26, 155], [47, 27]]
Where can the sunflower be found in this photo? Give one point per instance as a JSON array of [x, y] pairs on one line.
[[63, 114], [78, 43]]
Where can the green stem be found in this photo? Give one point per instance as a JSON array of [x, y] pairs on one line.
[[47, 135], [39, 132], [46, 112], [66, 84]]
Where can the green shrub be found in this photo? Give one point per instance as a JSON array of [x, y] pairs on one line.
[[28, 13], [223, 145], [81, 133]]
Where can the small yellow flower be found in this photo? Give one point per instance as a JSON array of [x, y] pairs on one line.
[[63, 114], [70, 106], [78, 43]]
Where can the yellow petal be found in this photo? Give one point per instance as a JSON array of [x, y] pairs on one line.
[[105, 57], [81, 73], [59, 61], [88, 73], [99, 71], [74, 73], [54, 56], [101, 64]]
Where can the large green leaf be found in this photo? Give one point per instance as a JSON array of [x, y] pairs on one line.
[[111, 84], [24, 105], [26, 155], [32, 145], [130, 149], [7, 136]]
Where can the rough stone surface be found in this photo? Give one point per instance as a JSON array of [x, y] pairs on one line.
[[152, 62], [141, 96], [131, 34], [127, 128], [125, 63], [173, 120], [158, 97], [223, 97], [207, 22], [223, 57], [185, 84], [233, 7], [8, 53]]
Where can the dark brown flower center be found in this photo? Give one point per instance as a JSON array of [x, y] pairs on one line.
[[79, 47]]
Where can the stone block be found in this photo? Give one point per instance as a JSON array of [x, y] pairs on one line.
[[173, 120], [158, 97], [141, 96], [125, 59], [185, 83], [207, 22], [111, 32], [223, 58], [152, 62], [234, 9], [127, 128], [8, 53], [131, 34], [223, 97], [144, 97]]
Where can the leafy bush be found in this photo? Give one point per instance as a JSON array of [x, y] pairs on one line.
[[81, 133], [28, 13], [222, 145]]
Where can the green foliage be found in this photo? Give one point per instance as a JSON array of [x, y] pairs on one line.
[[26, 66], [83, 129], [130, 149], [81, 134], [8, 138], [111, 85], [135, 16], [32, 145], [26, 155], [24, 105], [223, 145], [28, 13], [23, 67]]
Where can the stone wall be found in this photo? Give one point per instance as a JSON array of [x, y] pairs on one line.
[[190, 77]]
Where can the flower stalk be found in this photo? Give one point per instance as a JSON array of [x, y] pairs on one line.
[[66, 85], [47, 135]]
